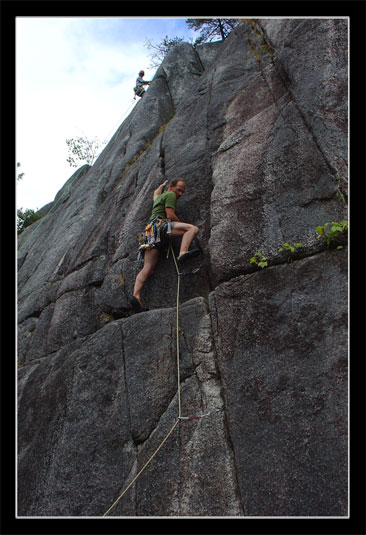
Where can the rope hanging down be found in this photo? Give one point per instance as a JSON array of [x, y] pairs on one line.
[[143, 468], [179, 417], [177, 330], [119, 121]]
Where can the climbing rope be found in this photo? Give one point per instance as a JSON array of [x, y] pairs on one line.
[[119, 120], [177, 330], [179, 417], [143, 468]]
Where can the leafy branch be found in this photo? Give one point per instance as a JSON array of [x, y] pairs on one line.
[[82, 150], [335, 230], [160, 50], [290, 249], [26, 218], [19, 175], [211, 28], [259, 259]]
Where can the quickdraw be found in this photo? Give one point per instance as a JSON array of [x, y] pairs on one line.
[[155, 233], [179, 273], [192, 272], [199, 416], [155, 236]]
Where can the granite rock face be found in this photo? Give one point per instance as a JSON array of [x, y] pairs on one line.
[[257, 126]]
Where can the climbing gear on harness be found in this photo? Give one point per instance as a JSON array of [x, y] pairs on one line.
[[139, 90], [155, 236]]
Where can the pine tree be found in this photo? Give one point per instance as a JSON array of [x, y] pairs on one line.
[[211, 28]]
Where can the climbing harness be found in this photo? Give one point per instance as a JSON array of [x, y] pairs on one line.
[[151, 232], [139, 91], [154, 237], [157, 234]]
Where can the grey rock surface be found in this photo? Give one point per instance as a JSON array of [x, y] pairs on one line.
[[281, 351], [257, 127]]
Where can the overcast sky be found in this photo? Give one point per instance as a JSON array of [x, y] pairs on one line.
[[75, 77]]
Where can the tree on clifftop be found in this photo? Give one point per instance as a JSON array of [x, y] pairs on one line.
[[25, 218], [82, 149], [211, 28], [161, 49]]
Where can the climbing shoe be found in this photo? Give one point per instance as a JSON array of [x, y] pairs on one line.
[[135, 304], [188, 254]]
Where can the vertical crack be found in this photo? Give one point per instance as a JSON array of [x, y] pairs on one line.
[[199, 59], [214, 321], [125, 380], [162, 156], [164, 76]]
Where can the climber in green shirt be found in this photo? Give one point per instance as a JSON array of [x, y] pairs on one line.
[[161, 203], [162, 223]]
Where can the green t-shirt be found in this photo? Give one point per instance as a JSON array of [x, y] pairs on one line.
[[163, 201]]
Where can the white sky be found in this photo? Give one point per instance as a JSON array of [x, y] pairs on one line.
[[75, 77]]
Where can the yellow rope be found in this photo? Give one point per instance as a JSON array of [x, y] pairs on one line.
[[143, 468], [177, 316], [178, 395]]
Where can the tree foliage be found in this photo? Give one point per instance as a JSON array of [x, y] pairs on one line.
[[82, 150], [160, 50], [210, 29], [19, 175], [26, 218]]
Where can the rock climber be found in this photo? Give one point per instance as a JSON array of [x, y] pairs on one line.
[[163, 224], [140, 82]]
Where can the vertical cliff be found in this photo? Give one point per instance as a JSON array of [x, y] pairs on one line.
[[257, 127]]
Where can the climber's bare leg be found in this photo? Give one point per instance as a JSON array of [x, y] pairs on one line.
[[151, 258], [188, 232]]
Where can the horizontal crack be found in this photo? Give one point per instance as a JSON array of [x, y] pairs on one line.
[[278, 261]]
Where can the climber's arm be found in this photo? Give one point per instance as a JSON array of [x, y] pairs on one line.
[[159, 190], [170, 213]]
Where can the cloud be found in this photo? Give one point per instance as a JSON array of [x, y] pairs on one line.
[[74, 77]]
